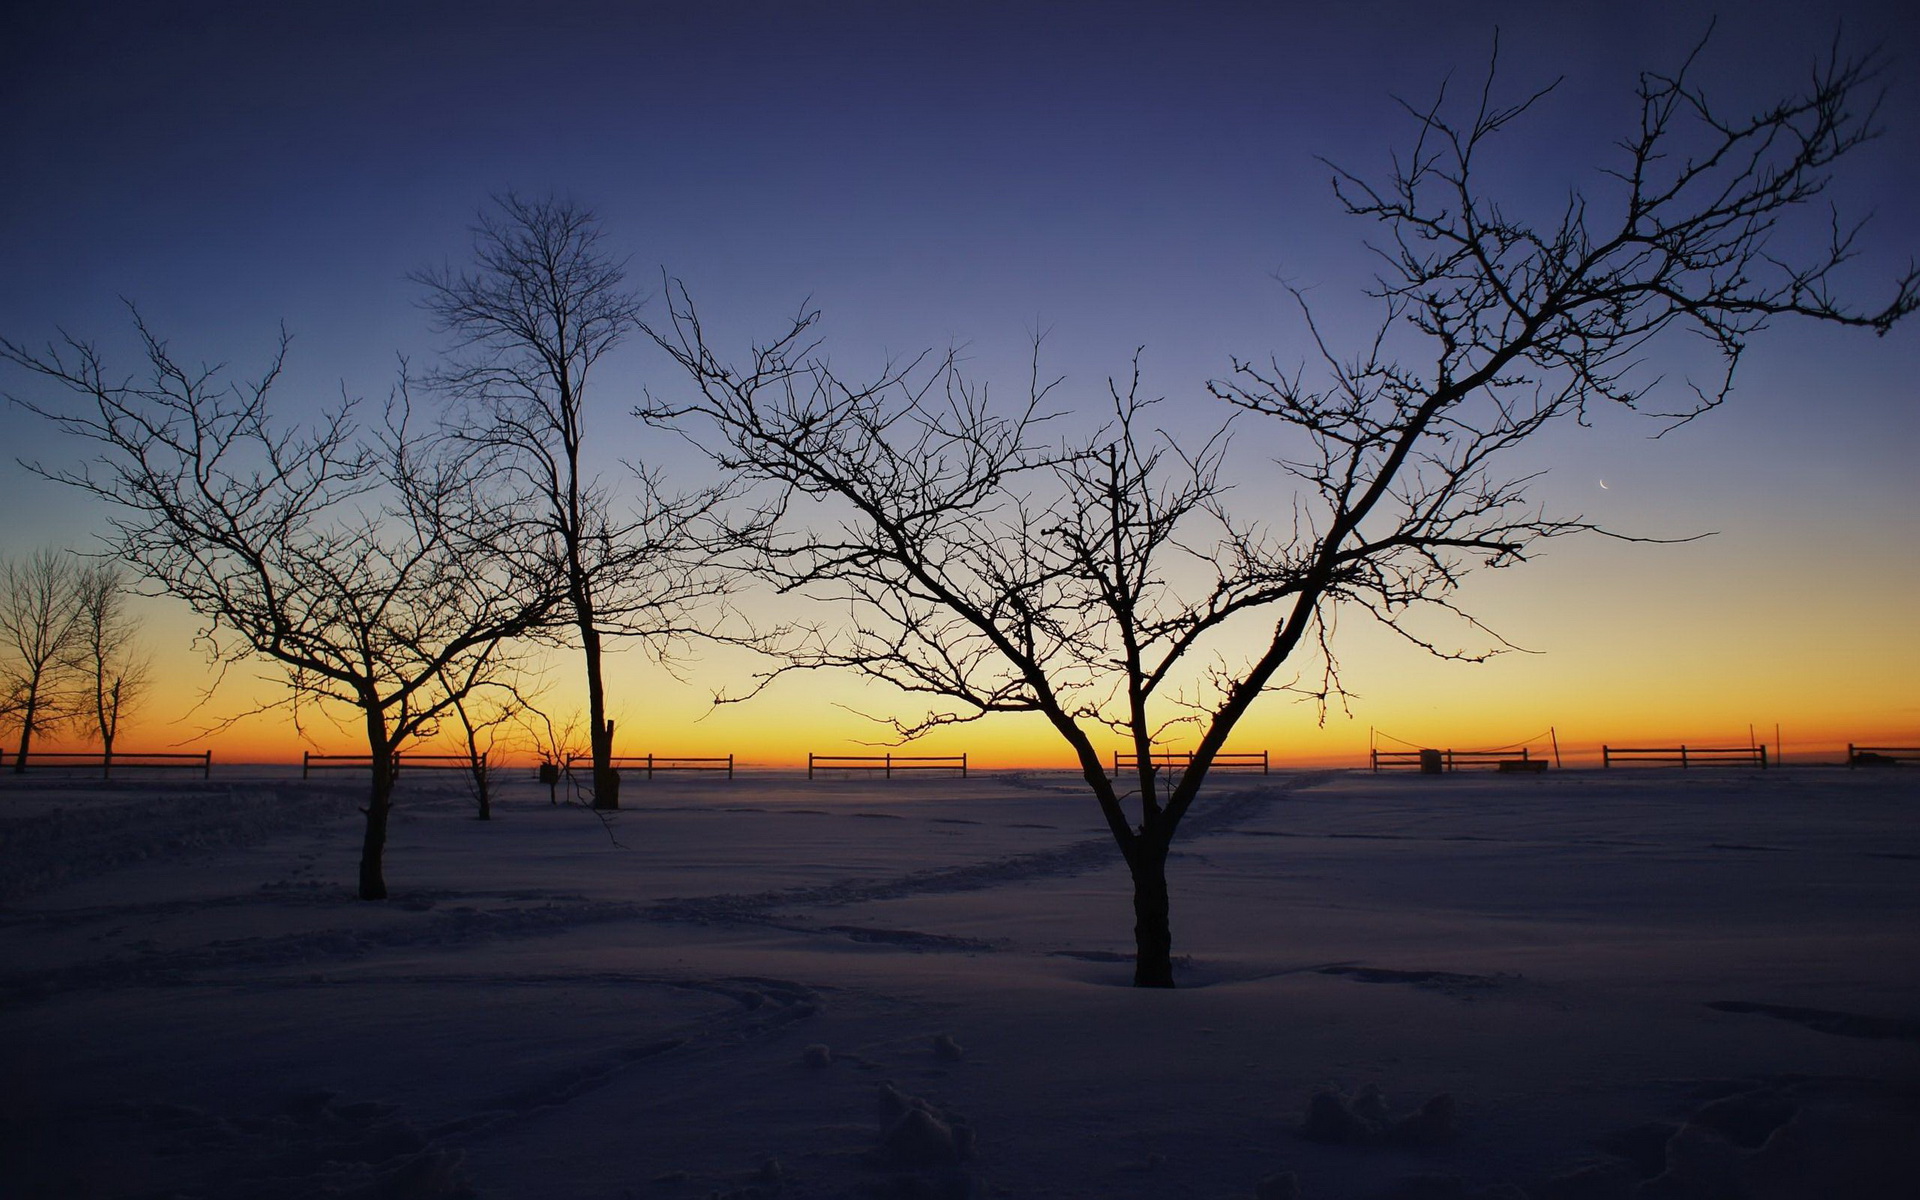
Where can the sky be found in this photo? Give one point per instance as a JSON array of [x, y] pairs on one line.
[[1115, 175]]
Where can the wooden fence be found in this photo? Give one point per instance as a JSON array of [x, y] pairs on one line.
[[1880, 756], [1227, 760], [887, 764], [651, 763], [201, 761], [1686, 756], [310, 762], [1431, 761]]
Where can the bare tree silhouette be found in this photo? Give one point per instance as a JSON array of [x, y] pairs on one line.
[[367, 564], [543, 304], [995, 570], [486, 714], [106, 655], [39, 624]]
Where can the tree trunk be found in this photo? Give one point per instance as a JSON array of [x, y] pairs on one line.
[[26, 733], [606, 793], [373, 880], [478, 769], [1152, 934]]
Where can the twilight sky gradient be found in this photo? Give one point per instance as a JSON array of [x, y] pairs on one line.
[[1116, 174]]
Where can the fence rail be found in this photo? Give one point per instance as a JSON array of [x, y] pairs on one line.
[[1431, 760], [202, 761], [310, 762], [1686, 756], [651, 763], [1231, 760], [1875, 756], [887, 763]]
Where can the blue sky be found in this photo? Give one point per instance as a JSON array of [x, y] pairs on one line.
[[1117, 174]]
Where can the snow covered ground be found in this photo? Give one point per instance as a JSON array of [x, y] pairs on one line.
[[1629, 983]]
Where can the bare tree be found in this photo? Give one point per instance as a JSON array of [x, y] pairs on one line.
[[484, 715], [543, 304], [365, 564], [557, 745], [38, 626], [106, 657], [994, 569]]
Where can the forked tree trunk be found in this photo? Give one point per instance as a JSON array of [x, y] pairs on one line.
[[1152, 932], [483, 788]]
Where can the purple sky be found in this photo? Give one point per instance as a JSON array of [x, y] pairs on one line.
[[1119, 174]]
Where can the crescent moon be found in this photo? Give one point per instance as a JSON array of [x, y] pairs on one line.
[[1604, 487]]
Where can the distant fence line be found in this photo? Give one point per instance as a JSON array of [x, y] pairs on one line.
[[310, 762], [887, 764], [201, 761], [1229, 760], [651, 763], [1686, 756], [1434, 761], [1880, 756], [1428, 759]]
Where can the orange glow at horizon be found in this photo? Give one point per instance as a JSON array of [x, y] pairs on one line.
[[1613, 668]]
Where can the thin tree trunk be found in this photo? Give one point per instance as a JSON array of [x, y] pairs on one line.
[[26, 733], [477, 766], [1152, 933]]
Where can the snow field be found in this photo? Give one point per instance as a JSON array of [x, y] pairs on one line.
[[1628, 983]]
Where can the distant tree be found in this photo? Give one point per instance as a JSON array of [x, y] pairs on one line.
[[485, 714], [995, 568], [368, 565], [106, 659], [542, 305], [39, 621], [556, 744]]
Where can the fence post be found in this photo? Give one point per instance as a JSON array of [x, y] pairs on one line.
[[306, 761], [1763, 758], [1683, 758], [963, 766], [206, 770], [729, 766], [889, 774], [649, 764], [809, 764]]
